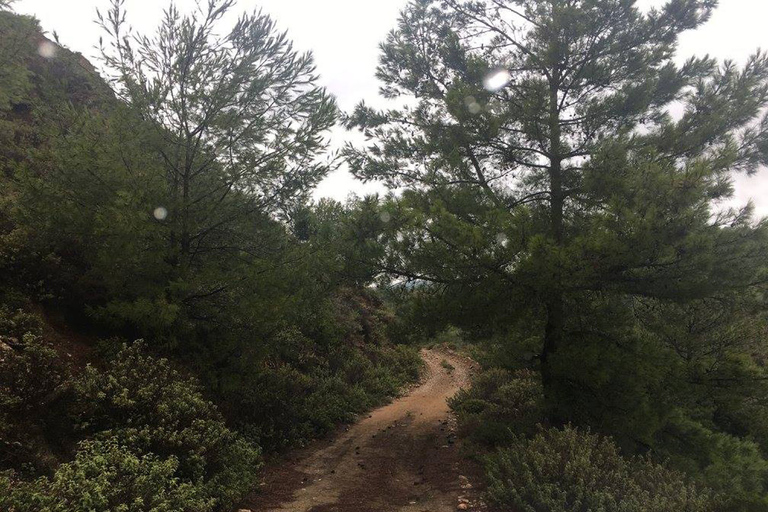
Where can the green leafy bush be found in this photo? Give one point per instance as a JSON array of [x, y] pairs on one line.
[[17, 495], [146, 406], [499, 405], [573, 471], [33, 380], [107, 477], [287, 401], [733, 467], [14, 325]]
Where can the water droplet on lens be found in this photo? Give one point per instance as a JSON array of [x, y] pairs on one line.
[[497, 80], [160, 213], [472, 105], [47, 49]]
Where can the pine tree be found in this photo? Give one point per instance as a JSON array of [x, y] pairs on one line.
[[240, 117], [554, 154]]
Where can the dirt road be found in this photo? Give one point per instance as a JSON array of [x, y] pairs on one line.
[[403, 457]]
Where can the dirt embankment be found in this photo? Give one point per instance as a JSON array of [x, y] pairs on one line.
[[403, 457]]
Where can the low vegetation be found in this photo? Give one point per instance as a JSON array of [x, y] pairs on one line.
[[499, 406], [532, 465], [565, 470], [141, 434]]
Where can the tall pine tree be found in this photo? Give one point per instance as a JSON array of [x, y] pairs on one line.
[[558, 164]]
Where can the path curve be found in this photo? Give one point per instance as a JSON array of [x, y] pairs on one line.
[[403, 457]]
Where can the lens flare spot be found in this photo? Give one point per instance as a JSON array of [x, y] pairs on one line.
[[472, 105], [385, 217], [497, 80], [47, 49], [160, 213]]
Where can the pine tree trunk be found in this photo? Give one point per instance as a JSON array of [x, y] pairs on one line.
[[554, 298], [553, 335]]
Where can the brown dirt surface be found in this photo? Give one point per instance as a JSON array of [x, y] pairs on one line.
[[402, 457]]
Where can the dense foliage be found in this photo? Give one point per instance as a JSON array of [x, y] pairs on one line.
[[174, 209], [568, 470], [151, 441], [499, 406]]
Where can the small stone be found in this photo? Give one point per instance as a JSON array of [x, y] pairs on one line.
[[463, 506]]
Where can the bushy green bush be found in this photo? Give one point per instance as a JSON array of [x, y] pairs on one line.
[[29, 374], [32, 381], [15, 324], [108, 477], [733, 467], [573, 471], [499, 405], [289, 400], [17, 495], [146, 406]]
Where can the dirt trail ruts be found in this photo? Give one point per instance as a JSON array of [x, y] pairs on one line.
[[403, 457]]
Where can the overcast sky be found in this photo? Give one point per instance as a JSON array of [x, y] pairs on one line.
[[344, 37]]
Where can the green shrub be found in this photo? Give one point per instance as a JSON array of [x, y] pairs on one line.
[[29, 375], [450, 337], [572, 471], [14, 325], [734, 468], [32, 381], [20, 496], [107, 477], [286, 401], [498, 406], [146, 406]]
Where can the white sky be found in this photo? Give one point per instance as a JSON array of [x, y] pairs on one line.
[[344, 37]]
